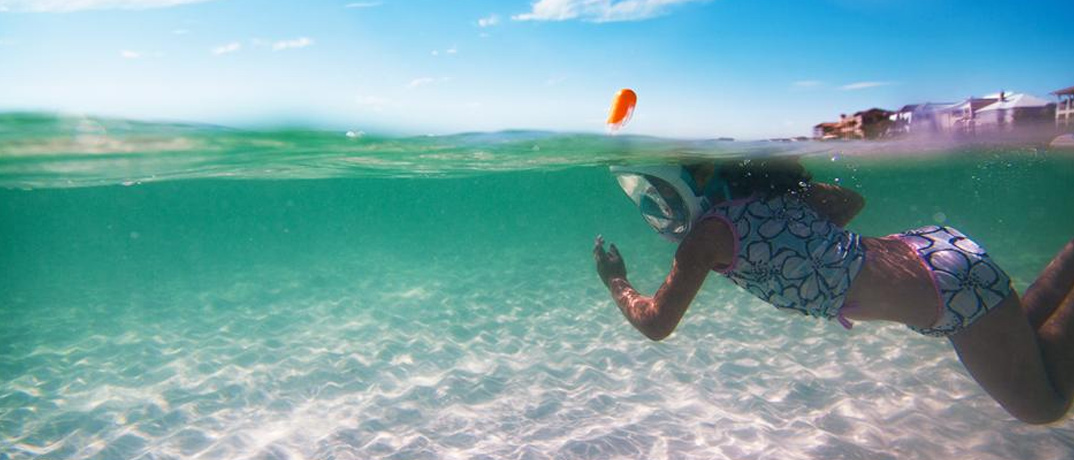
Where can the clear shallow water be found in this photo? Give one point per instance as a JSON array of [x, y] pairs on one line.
[[435, 298]]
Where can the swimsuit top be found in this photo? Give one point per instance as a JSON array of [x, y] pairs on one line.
[[788, 255]]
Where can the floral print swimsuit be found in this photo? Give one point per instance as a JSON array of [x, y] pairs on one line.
[[788, 255], [968, 282], [793, 258]]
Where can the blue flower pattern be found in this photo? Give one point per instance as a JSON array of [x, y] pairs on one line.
[[970, 284], [790, 256]]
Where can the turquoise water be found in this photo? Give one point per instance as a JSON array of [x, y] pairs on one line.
[[179, 291]]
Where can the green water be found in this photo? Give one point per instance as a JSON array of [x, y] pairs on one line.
[[171, 291]]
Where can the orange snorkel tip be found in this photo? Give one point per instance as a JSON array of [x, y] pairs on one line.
[[622, 109]]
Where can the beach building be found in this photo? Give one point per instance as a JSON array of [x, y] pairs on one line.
[[844, 129], [1014, 111], [960, 119], [918, 119], [872, 124], [867, 124], [826, 131], [1064, 110]]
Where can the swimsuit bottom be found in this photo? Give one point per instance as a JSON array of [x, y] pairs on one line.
[[968, 283]]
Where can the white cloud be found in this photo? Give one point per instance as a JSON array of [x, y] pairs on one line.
[[228, 48], [426, 81], [129, 54], [864, 85], [450, 51], [67, 6], [807, 84], [362, 4], [488, 21], [598, 10], [180, 32], [555, 81], [552, 10], [423, 81], [300, 42], [374, 103]]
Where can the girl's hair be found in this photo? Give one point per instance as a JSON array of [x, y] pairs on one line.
[[766, 177]]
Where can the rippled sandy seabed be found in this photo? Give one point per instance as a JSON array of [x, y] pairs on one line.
[[461, 318], [413, 364]]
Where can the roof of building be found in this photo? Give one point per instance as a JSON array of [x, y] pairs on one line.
[[1064, 91], [872, 110], [925, 107], [1015, 101], [973, 103]]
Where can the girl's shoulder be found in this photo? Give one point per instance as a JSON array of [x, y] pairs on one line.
[[757, 202]]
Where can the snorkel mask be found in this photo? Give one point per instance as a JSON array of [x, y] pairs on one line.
[[668, 197]]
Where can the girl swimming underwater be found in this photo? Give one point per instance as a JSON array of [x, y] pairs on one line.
[[767, 228]]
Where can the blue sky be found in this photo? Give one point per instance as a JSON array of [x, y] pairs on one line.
[[702, 68]]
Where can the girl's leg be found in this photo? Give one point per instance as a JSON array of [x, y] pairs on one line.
[[1002, 352], [1056, 338], [1022, 353], [1048, 291]]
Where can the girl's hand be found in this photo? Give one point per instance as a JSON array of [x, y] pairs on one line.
[[610, 263]]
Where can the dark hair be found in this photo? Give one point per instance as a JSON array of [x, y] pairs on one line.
[[762, 176]]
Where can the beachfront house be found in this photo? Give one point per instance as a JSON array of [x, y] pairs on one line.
[[866, 124], [1064, 110], [872, 124], [1014, 111], [961, 119], [902, 118], [826, 131], [919, 119], [835, 130]]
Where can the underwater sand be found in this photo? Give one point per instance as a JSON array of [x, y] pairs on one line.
[[192, 292]]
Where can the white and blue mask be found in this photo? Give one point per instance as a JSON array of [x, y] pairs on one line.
[[667, 196]]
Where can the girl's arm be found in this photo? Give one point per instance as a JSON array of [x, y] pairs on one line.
[[657, 316], [836, 203]]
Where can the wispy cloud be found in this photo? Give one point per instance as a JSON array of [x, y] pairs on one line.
[[226, 49], [555, 81], [300, 42], [598, 10], [865, 85], [362, 4], [130, 54], [67, 6], [423, 81], [374, 103], [489, 21], [180, 31], [807, 83], [450, 51]]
